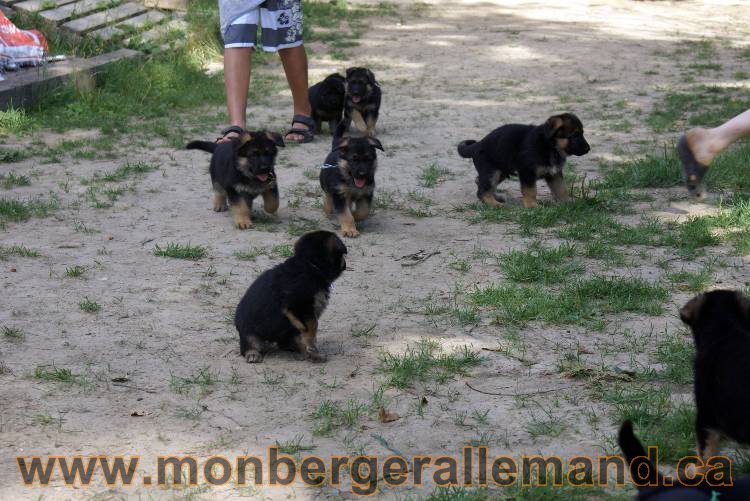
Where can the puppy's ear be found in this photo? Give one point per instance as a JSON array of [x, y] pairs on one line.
[[276, 138], [243, 140], [340, 143], [375, 143], [689, 313], [552, 125], [335, 245], [371, 77], [349, 72]]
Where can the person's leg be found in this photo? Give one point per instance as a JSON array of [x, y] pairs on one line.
[[705, 144], [236, 81], [294, 60]]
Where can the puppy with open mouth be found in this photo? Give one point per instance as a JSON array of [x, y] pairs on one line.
[[348, 180], [241, 169], [362, 104], [531, 152]]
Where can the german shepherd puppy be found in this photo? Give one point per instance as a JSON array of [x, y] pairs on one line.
[[284, 304], [327, 101], [362, 102], [531, 152], [656, 487], [242, 169], [348, 180], [720, 321]]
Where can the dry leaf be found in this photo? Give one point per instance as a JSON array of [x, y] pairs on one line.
[[138, 413], [388, 417]]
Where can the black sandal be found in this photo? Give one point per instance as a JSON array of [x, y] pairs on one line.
[[232, 128], [307, 134]]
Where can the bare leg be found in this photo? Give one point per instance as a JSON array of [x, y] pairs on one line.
[[705, 144], [294, 61], [236, 82]]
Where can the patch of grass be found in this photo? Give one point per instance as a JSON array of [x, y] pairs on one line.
[[57, 374], [76, 271], [276, 251], [12, 180], [89, 305], [460, 264], [202, 380], [122, 173], [8, 155], [81, 227], [657, 419], [694, 281], [181, 251], [425, 361], [433, 174], [13, 210], [675, 354], [704, 105], [331, 415], [541, 264], [586, 302], [17, 250], [12, 333], [299, 227], [293, 446]]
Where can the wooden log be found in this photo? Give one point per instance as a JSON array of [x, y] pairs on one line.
[[103, 18]]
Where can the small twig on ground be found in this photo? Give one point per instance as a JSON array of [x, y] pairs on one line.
[[517, 394]]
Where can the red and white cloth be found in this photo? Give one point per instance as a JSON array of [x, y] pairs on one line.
[[20, 47]]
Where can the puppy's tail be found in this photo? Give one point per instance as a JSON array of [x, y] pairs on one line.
[[467, 148], [202, 145], [631, 449]]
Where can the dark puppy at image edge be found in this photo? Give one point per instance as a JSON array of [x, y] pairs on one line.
[[327, 101], [348, 180], [283, 305], [362, 102], [720, 321], [653, 486], [531, 152], [241, 169]]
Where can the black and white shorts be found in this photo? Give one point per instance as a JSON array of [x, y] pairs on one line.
[[280, 22]]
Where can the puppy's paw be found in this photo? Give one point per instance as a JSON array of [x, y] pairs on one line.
[[530, 204], [220, 207], [350, 232], [253, 357], [315, 356], [243, 224], [499, 198]]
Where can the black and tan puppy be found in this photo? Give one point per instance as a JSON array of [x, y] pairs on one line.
[[327, 101], [531, 152], [242, 169], [362, 102], [720, 321], [654, 486], [284, 304], [348, 180]]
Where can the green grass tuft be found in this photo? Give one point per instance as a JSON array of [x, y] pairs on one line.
[[12, 180], [540, 264], [17, 250], [425, 361], [181, 251]]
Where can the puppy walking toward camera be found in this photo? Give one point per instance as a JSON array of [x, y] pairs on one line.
[[531, 152], [720, 321], [348, 181], [327, 101], [241, 169], [362, 102], [284, 304]]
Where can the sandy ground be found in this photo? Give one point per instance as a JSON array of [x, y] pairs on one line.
[[449, 71]]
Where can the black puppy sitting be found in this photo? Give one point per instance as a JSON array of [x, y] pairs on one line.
[[529, 151], [284, 304], [362, 102], [242, 169], [720, 321], [348, 180], [327, 101]]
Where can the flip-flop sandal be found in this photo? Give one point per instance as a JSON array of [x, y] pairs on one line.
[[307, 134], [232, 128], [694, 170]]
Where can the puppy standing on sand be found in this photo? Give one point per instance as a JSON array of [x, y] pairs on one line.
[[284, 304], [241, 169], [531, 152], [348, 180], [327, 101], [362, 102]]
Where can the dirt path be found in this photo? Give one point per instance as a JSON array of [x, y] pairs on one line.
[[449, 71]]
